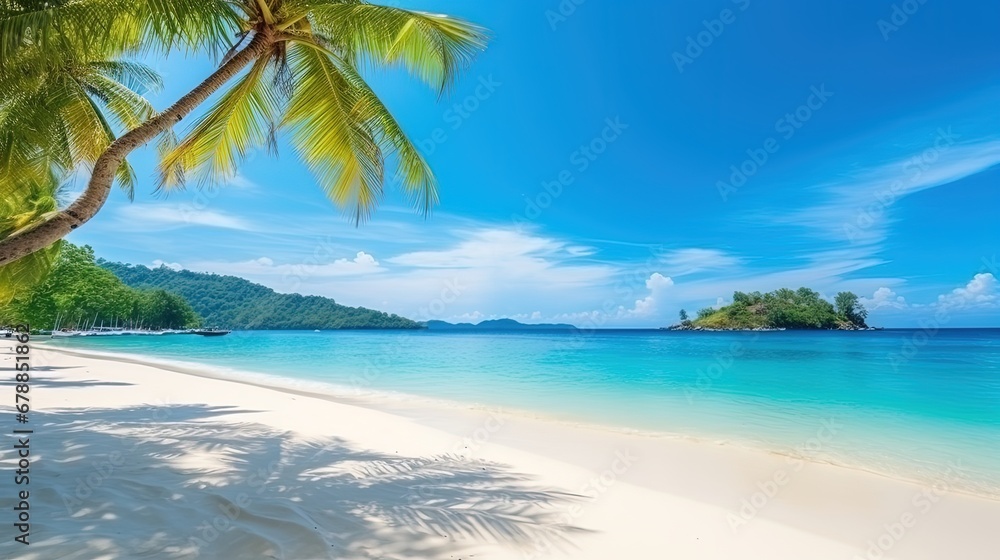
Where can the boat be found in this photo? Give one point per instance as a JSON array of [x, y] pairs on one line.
[[65, 333], [211, 332]]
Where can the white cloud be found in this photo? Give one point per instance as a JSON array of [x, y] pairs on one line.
[[533, 317], [884, 298], [470, 274], [857, 210], [143, 217], [240, 181], [649, 306], [287, 276], [474, 317], [580, 251], [586, 319], [982, 292], [362, 259], [173, 266], [493, 248], [692, 260]]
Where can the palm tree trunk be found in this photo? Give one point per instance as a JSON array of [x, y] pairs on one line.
[[85, 207]]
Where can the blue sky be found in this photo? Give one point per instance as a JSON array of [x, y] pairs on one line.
[[608, 166]]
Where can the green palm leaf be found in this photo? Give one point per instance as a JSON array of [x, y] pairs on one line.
[[25, 201], [241, 120], [56, 119], [299, 62], [113, 27], [330, 136], [413, 172], [433, 47]]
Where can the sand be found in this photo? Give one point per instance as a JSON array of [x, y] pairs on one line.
[[139, 461]]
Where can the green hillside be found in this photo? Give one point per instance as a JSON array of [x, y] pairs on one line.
[[79, 294], [235, 303]]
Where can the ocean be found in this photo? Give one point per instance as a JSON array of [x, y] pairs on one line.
[[913, 404]]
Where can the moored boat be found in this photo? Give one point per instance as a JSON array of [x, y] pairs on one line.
[[211, 332]]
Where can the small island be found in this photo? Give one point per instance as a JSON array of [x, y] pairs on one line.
[[783, 309]]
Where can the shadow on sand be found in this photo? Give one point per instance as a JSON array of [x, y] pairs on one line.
[[123, 483]]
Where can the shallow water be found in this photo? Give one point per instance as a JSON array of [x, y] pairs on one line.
[[913, 404]]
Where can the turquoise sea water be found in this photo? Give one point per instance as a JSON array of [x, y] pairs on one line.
[[920, 405]]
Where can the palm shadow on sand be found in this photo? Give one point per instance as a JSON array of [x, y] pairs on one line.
[[122, 483]]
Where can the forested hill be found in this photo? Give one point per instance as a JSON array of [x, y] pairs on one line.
[[782, 309], [235, 303]]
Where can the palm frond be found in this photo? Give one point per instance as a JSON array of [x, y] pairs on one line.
[[433, 47], [25, 200], [330, 134], [56, 119], [112, 27], [412, 170], [241, 120], [19, 276], [137, 77], [129, 108]]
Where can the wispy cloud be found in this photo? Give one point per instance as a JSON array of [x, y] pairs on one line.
[[267, 271], [140, 217], [858, 210], [241, 181], [483, 272], [682, 262]]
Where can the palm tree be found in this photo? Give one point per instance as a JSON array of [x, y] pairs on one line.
[[25, 200], [57, 116], [301, 59]]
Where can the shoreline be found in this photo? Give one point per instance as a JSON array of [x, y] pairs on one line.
[[389, 401], [343, 475]]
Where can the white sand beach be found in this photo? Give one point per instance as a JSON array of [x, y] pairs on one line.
[[135, 461]]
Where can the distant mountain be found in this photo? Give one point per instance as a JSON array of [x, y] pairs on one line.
[[236, 303], [497, 325]]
